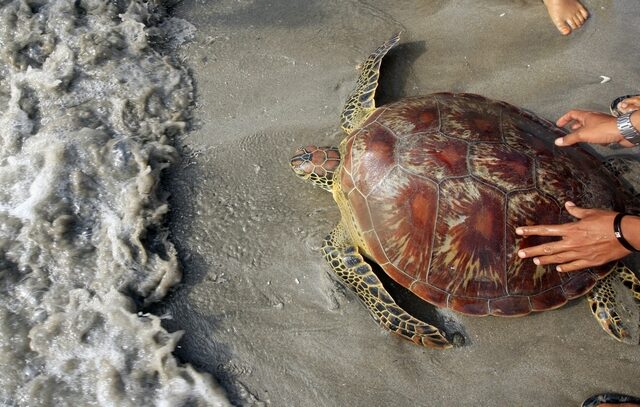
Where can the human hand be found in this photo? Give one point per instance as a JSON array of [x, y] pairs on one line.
[[590, 127], [629, 104], [586, 243]]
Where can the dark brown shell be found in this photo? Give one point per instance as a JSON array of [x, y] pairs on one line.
[[436, 186]]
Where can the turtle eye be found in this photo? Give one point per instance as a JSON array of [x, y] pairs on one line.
[[306, 157]]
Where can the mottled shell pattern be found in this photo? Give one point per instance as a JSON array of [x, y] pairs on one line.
[[432, 189]]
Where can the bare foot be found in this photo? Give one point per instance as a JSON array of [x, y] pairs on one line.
[[567, 15], [629, 105]]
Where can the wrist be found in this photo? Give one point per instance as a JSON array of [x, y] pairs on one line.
[[630, 227]]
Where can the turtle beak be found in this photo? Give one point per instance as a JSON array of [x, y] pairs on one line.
[[301, 162]]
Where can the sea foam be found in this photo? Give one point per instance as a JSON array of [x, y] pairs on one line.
[[88, 113]]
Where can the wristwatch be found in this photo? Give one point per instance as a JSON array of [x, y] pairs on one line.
[[630, 133]]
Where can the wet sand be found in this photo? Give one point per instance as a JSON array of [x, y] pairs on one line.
[[258, 306]]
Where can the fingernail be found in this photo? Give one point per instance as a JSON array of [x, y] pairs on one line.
[[558, 268], [559, 141], [521, 254], [519, 232], [536, 261], [623, 104], [569, 203]]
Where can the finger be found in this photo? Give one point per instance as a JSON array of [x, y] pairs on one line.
[[544, 250], [560, 258], [576, 211], [569, 139], [574, 266], [542, 230], [571, 115]]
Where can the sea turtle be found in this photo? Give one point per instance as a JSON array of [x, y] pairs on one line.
[[431, 188]]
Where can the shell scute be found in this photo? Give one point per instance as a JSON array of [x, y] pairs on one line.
[[510, 306], [415, 115], [579, 284], [502, 166], [468, 256], [469, 117], [403, 209], [550, 299], [347, 154], [469, 305], [360, 210], [556, 177], [526, 136], [433, 155], [373, 156]]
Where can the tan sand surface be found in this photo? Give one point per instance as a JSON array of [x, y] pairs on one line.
[[259, 307]]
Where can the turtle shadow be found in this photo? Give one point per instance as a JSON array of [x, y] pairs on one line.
[[395, 71]]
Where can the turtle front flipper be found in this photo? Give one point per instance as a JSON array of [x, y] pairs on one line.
[[349, 265], [360, 103], [617, 309]]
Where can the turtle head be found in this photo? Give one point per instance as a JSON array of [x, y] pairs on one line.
[[316, 164]]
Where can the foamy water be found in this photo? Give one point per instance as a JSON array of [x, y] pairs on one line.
[[89, 111]]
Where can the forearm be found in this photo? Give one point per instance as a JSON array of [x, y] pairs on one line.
[[630, 227]]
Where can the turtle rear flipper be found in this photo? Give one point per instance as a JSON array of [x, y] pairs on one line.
[[615, 303], [361, 103], [349, 265]]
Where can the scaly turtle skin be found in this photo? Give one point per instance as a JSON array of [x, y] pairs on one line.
[[432, 188]]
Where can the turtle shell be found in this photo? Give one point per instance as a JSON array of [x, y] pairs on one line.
[[432, 189]]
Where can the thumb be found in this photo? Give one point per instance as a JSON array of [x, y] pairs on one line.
[[576, 211], [568, 140]]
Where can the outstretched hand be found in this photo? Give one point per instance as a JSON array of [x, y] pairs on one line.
[[590, 127], [585, 243]]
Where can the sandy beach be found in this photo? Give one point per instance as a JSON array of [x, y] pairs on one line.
[[259, 309]]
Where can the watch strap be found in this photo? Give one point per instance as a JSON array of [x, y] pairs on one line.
[[626, 129]]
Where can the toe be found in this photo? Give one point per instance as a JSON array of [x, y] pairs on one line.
[[578, 21], [584, 13], [563, 28]]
